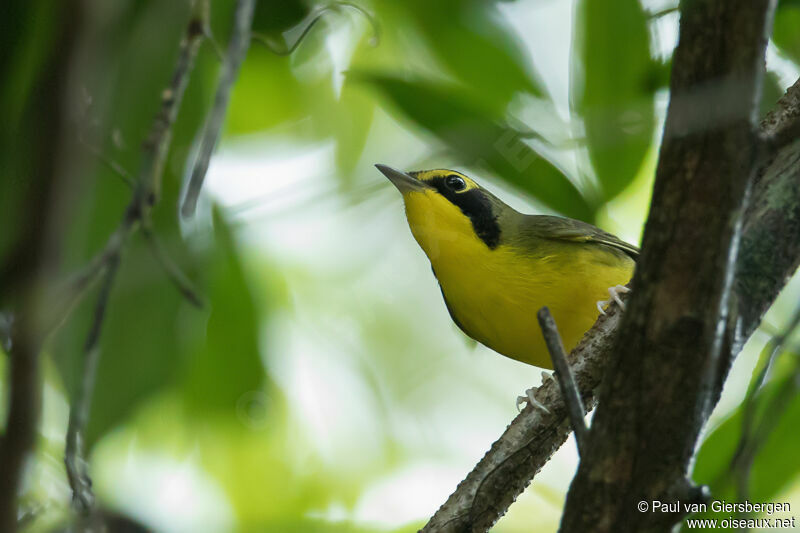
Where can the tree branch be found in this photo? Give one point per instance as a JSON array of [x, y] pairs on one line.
[[566, 380], [769, 254], [659, 388], [77, 473], [783, 126], [528, 442], [237, 49]]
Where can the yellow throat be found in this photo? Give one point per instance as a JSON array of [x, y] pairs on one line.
[[497, 267]]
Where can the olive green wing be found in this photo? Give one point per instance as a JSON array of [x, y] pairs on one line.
[[567, 229]]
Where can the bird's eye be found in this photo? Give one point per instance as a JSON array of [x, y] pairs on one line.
[[455, 183]]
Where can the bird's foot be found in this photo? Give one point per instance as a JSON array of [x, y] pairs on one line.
[[530, 399], [614, 293]]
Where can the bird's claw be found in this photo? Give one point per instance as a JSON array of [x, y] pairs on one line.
[[614, 293], [530, 398]]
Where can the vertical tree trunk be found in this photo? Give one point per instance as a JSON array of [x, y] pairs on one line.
[[657, 392]]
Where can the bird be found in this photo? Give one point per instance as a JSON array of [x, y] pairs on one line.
[[496, 267]]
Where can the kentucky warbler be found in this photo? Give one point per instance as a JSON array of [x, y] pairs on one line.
[[497, 267]]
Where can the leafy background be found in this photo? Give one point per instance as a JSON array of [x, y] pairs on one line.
[[323, 387]]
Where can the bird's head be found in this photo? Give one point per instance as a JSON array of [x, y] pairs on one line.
[[445, 206]]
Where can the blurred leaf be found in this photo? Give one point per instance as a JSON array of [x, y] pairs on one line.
[[786, 29], [227, 366], [613, 88], [477, 47], [476, 135]]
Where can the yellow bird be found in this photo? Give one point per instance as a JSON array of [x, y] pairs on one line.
[[497, 267]]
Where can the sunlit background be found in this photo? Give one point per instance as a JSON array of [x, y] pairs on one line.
[[324, 386]]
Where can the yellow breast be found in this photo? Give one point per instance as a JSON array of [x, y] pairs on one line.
[[494, 294]]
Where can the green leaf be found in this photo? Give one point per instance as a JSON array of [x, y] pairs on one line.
[[613, 88], [477, 46], [224, 364], [477, 136], [786, 29]]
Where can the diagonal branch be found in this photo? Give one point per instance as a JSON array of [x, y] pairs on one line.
[[528, 443], [237, 49], [77, 473], [566, 380], [769, 254]]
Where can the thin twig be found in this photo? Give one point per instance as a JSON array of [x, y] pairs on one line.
[[115, 167], [566, 380], [237, 49], [678, 329], [148, 182], [202, 11], [145, 195], [174, 273], [158, 142], [528, 442], [305, 26], [663, 12], [74, 460]]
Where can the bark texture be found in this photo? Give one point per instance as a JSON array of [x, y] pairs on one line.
[[670, 352]]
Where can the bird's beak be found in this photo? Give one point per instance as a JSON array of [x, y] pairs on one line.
[[401, 180]]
